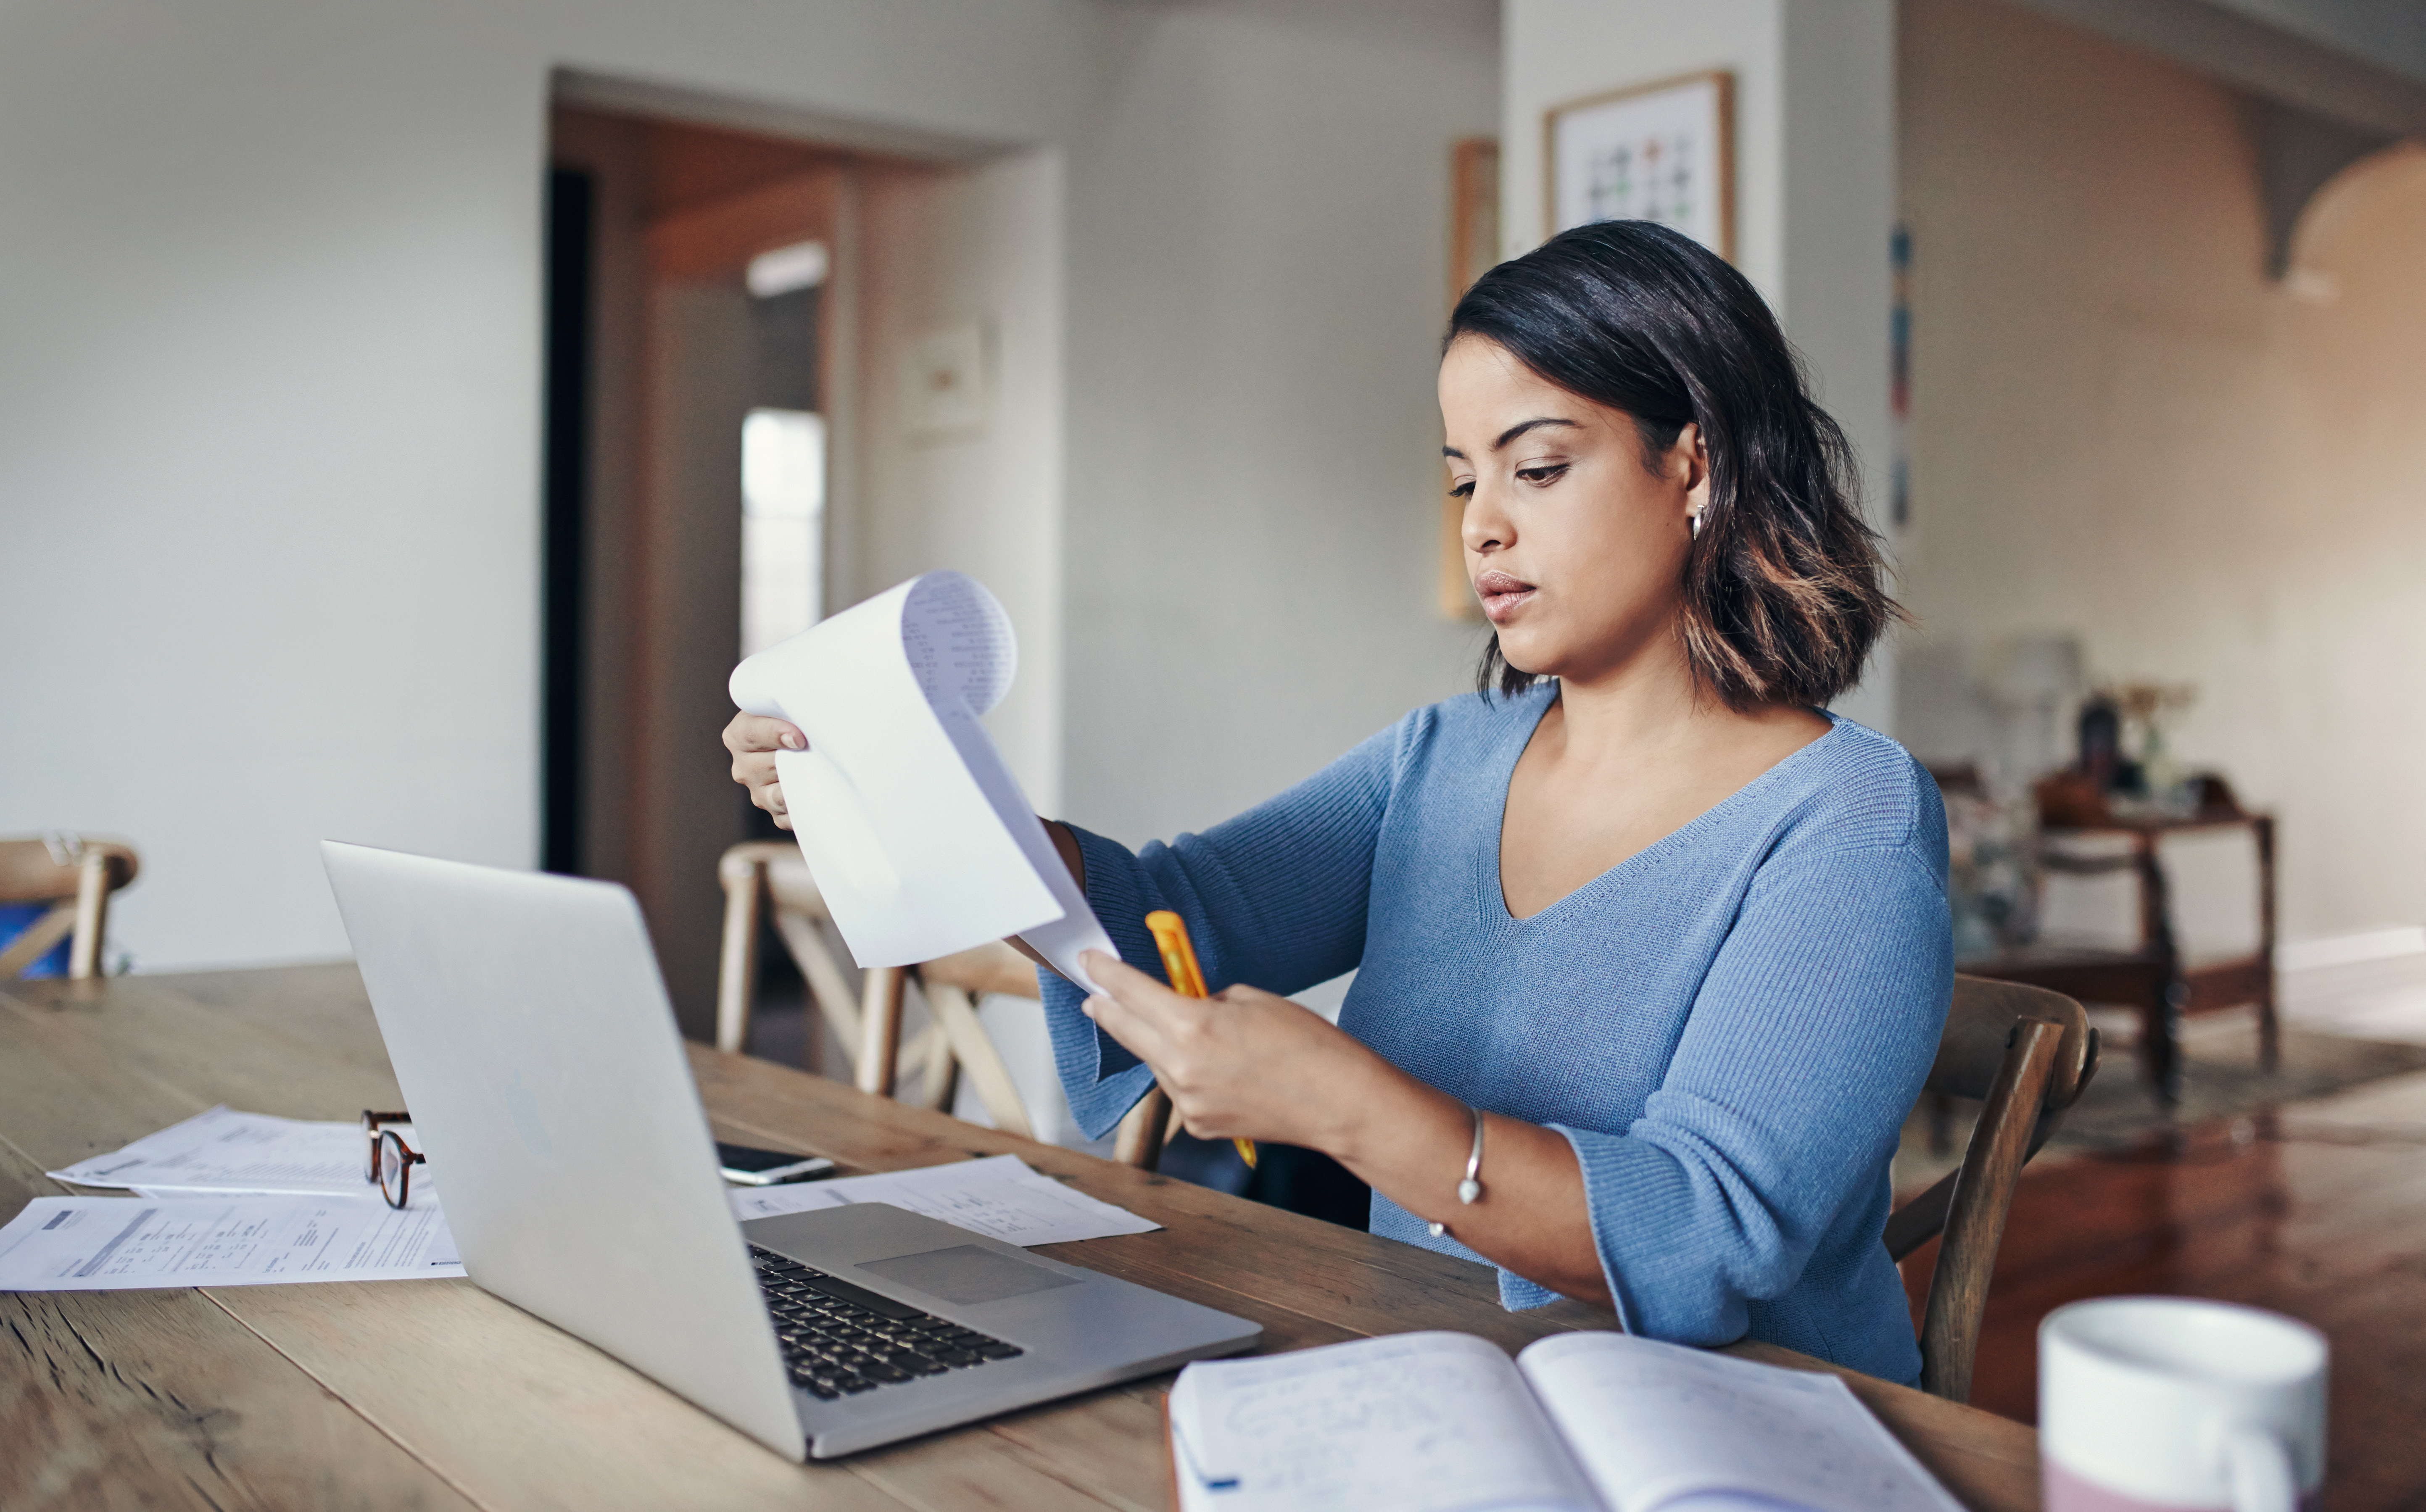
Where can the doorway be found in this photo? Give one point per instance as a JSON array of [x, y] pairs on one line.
[[739, 441], [696, 284]]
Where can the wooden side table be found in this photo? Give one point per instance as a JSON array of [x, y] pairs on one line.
[[2153, 977]]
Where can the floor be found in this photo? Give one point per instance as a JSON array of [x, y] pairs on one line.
[[2315, 1208]]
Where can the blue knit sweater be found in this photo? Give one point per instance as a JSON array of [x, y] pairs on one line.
[[1728, 1026]]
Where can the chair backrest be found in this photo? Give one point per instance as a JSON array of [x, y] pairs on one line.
[[2025, 1053], [767, 879], [76, 874]]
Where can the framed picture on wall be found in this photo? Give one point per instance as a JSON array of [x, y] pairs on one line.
[[1661, 152], [1473, 250]]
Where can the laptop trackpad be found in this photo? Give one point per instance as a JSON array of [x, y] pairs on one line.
[[965, 1274]]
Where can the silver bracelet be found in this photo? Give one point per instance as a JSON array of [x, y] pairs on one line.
[[1469, 1190]]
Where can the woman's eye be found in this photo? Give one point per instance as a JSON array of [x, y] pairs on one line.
[[1546, 473], [1462, 491]]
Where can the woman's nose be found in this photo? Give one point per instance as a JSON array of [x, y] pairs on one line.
[[1484, 525]]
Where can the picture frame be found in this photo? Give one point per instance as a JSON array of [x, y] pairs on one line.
[[1662, 150], [1473, 250]]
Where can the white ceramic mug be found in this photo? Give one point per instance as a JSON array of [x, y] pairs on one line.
[[2167, 1403]]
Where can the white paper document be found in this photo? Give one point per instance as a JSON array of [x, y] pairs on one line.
[[109, 1244], [224, 1150], [918, 834], [998, 1197]]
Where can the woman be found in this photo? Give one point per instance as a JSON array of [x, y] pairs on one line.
[[1662, 940]]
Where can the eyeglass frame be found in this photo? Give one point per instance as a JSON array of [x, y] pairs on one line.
[[372, 1123], [406, 1158]]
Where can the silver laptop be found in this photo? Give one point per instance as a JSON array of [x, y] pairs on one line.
[[537, 1049]]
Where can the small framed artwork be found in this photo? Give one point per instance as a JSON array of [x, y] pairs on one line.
[[1473, 249], [1661, 152], [1473, 212]]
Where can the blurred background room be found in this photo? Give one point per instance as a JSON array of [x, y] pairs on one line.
[[409, 415]]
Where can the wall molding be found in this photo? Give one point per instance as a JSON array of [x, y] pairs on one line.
[[2350, 949]]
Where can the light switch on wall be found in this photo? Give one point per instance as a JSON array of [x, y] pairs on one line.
[[944, 383]]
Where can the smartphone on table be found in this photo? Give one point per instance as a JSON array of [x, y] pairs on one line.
[[747, 1166]]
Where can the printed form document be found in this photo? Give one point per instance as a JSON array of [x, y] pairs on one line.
[[112, 1244], [224, 1150], [918, 834]]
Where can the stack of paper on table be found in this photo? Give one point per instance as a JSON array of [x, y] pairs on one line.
[[920, 837], [227, 1199], [224, 1150], [210, 1210], [1578, 1422]]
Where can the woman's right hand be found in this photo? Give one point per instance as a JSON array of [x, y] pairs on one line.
[[755, 739]]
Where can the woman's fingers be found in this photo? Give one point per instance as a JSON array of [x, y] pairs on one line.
[[753, 739], [1133, 1008], [750, 733]]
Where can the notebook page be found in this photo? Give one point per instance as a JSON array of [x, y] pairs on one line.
[[1415, 1422], [918, 834], [1653, 1424]]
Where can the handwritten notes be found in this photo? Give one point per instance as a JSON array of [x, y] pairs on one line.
[[1580, 1422], [999, 1196], [1422, 1422], [1655, 1422]]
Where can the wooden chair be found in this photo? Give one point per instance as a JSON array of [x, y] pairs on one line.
[[767, 879], [76, 875], [2026, 1054]]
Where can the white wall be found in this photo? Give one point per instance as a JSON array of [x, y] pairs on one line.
[[2123, 429], [1259, 229], [269, 392], [269, 386], [1814, 174], [941, 249]]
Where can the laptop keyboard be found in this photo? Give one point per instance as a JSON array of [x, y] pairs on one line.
[[839, 1340]]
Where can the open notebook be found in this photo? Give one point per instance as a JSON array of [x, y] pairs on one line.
[[1578, 1422]]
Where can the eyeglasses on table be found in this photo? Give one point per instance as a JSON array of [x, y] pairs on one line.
[[390, 1160]]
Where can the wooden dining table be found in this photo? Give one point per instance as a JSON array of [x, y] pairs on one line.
[[434, 1394]]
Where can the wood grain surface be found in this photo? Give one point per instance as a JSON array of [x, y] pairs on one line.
[[435, 1394]]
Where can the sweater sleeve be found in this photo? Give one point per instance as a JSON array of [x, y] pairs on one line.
[[1275, 898], [1806, 1044]]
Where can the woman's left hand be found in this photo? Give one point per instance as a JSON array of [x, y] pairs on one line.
[[1242, 1064]]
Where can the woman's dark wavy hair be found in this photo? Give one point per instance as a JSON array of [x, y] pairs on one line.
[[1783, 592]]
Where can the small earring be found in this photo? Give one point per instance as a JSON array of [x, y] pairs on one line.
[[1696, 520]]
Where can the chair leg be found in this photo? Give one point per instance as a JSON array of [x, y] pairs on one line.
[[976, 1052], [879, 1028], [1975, 1224], [829, 990], [1138, 1142], [91, 915], [737, 965], [2269, 1028]]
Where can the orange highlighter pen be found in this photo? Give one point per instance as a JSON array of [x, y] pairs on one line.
[[1187, 979]]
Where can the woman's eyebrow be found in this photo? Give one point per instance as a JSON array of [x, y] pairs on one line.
[[1514, 431]]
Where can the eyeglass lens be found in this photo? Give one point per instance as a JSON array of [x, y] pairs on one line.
[[371, 1124], [396, 1164]]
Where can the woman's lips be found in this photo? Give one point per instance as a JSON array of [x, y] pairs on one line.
[[1502, 595]]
